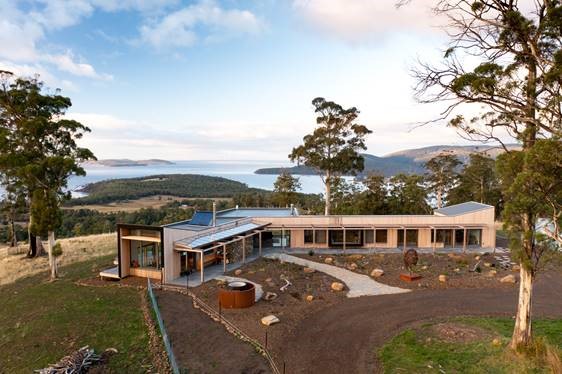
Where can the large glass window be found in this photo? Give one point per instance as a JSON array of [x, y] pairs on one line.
[[352, 237], [308, 236], [369, 236], [444, 236], [382, 236], [145, 254], [411, 238], [279, 239], [320, 237], [474, 237]]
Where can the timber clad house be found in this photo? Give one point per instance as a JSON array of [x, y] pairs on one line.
[[217, 241]]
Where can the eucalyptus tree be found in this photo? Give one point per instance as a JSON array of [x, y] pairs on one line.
[[442, 175], [504, 61], [285, 188], [39, 150], [333, 147], [407, 195]]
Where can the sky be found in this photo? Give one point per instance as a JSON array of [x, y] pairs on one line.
[[226, 79]]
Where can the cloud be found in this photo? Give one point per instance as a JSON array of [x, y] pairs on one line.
[[183, 28], [359, 21], [65, 62]]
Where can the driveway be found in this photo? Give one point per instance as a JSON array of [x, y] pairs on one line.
[[344, 338]]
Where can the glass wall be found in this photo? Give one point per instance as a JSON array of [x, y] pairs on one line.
[[145, 254], [280, 240], [382, 236], [352, 238], [411, 238], [474, 237]]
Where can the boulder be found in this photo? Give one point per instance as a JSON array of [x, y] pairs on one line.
[[237, 271], [491, 273], [509, 279], [425, 267], [269, 296], [329, 260], [487, 264], [309, 298], [377, 273], [337, 286], [443, 278], [308, 270], [269, 320], [457, 270], [477, 258], [353, 266]]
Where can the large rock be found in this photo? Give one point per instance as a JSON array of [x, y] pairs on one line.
[[269, 296], [309, 298], [308, 270], [337, 286], [443, 278], [491, 273], [353, 266], [237, 271], [377, 273], [269, 320], [329, 260], [509, 279]]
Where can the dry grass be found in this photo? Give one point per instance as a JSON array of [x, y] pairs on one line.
[[82, 248], [154, 202]]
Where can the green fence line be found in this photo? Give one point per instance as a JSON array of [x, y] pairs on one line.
[[167, 345]]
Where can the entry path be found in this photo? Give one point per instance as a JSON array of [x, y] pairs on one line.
[[358, 284], [344, 338]]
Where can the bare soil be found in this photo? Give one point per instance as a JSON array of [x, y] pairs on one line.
[[459, 269], [452, 332], [291, 306], [202, 345]]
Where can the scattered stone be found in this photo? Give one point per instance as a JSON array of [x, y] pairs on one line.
[[337, 286], [487, 264], [308, 270], [457, 270], [329, 260], [491, 273], [477, 258], [237, 271], [269, 320], [268, 280], [425, 267], [269, 296], [509, 279], [496, 342], [377, 273], [443, 278], [353, 266], [309, 298], [516, 268]]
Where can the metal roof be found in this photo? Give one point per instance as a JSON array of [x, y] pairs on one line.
[[220, 235], [464, 208], [257, 212]]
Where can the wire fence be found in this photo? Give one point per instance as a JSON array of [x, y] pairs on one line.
[[232, 328], [167, 344]]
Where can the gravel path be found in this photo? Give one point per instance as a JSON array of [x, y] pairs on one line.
[[345, 337], [358, 284]]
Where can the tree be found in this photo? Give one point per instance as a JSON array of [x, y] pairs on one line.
[[332, 148], [285, 189], [12, 206], [442, 175], [478, 181], [40, 151], [512, 77], [407, 195], [374, 197]]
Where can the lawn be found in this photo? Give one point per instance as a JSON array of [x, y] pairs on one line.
[[42, 321], [466, 346]]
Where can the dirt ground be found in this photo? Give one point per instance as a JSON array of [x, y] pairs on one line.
[[291, 306], [459, 269], [202, 345]]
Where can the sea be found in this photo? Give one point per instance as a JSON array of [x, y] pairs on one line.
[[241, 171]]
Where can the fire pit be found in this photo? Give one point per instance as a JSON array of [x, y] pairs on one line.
[[237, 295]]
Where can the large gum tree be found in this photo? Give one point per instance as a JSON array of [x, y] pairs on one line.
[[503, 63], [333, 147]]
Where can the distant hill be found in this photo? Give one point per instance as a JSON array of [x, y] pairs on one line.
[[126, 162], [409, 161], [182, 185]]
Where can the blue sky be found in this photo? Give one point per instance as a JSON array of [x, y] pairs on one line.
[[231, 79]]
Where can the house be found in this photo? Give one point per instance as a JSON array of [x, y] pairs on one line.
[[211, 239]]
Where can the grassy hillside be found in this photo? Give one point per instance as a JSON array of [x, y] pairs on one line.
[[43, 321], [180, 185]]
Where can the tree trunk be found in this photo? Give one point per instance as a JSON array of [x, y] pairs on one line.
[[439, 198], [32, 252], [40, 251], [522, 330], [52, 258], [328, 194], [13, 235]]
